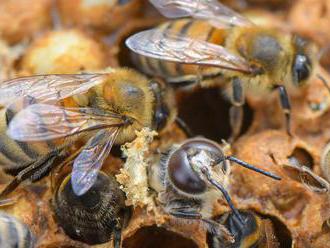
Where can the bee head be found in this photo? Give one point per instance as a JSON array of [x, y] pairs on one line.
[[302, 62], [126, 92], [185, 164], [198, 165]]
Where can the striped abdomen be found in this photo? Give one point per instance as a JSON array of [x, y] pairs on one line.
[[178, 72], [14, 234], [17, 154]]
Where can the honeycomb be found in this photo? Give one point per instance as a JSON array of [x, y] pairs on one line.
[[46, 37]]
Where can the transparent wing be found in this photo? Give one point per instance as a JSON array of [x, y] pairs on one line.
[[43, 122], [216, 13], [308, 178], [159, 44], [90, 160], [47, 88], [312, 181]]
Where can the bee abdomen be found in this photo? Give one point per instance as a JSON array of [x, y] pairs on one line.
[[10, 151], [15, 153], [179, 72], [91, 217], [14, 234]]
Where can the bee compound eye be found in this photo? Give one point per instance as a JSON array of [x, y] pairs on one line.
[[161, 117], [301, 68], [182, 176]]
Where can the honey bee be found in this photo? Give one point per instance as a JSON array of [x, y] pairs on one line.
[[94, 217], [192, 176], [254, 233], [15, 234], [218, 43], [46, 115]]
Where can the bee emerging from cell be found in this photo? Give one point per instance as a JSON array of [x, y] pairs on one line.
[[192, 176], [212, 43]]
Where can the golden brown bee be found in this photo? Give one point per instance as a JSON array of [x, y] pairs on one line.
[[192, 176], [217, 43], [94, 217], [252, 234], [46, 115], [15, 234]]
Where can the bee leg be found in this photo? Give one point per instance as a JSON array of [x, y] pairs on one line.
[[117, 235], [121, 222], [185, 128], [219, 231], [127, 214], [15, 170], [225, 194], [33, 172], [180, 213], [212, 226], [59, 167], [236, 110], [286, 106]]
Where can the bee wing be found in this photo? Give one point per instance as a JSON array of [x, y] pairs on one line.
[[90, 160], [159, 44], [216, 13], [44, 122], [312, 181], [47, 88]]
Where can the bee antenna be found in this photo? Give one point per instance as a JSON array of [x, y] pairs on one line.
[[251, 167], [324, 81], [224, 193], [183, 125]]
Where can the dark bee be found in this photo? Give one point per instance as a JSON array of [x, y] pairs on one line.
[[15, 234], [192, 176], [94, 217], [253, 234]]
